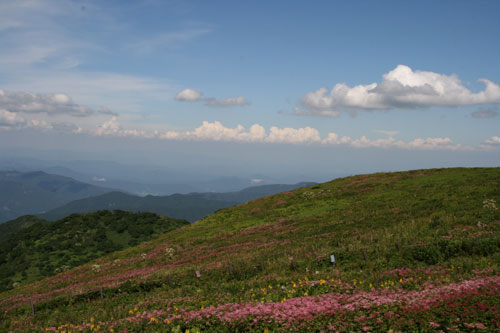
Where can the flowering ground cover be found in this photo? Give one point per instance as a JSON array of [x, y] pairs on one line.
[[414, 251]]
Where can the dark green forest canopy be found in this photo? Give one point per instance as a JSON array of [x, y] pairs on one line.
[[44, 249]]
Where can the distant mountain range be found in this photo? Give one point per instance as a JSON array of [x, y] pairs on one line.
[[53, 197], [144, 179], [192, 207], [37, 192], [175, 206]]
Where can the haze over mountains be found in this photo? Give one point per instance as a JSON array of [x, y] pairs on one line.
[[143, 179], [37, 192], [53, 197]]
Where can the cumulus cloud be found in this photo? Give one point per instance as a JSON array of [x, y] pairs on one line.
[[217, 132], [292, 135], [493, 141], [112, 128], [10, 120], [192, 95], [189, 95], [485, 113], [13, 121], [401, 88], [51, 104]]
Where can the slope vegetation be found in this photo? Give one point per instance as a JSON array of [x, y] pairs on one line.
[[43, 249], [414, 251], [16, 225]]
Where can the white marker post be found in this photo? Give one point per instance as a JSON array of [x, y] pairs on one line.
[[332, 259]]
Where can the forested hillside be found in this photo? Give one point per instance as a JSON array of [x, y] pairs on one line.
[[45, 249]]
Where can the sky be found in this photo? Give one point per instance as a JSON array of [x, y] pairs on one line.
[[319, 87]]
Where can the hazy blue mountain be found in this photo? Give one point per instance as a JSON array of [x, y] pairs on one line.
[[191, 207], [143, 179], [180, 206], [23, 193], [250, 193]]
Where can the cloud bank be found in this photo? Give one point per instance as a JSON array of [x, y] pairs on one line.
[[401, 88], [215, 131], [192, 95], [50, 104]]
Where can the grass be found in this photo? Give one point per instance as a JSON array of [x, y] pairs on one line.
[[427, 235]]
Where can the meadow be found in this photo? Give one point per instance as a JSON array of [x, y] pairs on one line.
[[414, 251]]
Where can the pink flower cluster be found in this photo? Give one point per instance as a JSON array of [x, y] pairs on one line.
[[307, 308]]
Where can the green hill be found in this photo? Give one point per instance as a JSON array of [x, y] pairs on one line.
[[13, 226], [23, 193], [40, 249], [176, 206], [414, 251]]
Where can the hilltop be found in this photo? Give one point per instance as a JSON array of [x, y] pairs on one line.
[[39, 249], [416, 250]]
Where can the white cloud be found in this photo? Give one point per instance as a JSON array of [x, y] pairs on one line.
[[51, 104], [493, 141], [189, 95], [112, 128], [292, 135], [10, 119], [429, 144], [13, 121], [192, 95], [401, 88], [217, 132]]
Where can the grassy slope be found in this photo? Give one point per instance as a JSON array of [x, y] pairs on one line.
[[411, 226], [44, 249]]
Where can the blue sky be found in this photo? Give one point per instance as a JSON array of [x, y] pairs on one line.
[[365, 77]]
